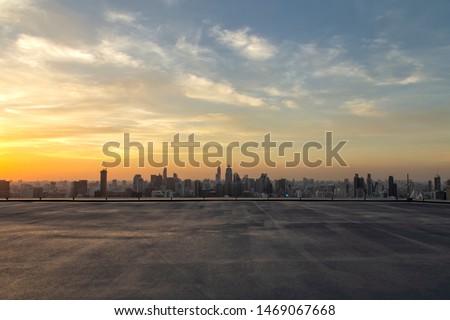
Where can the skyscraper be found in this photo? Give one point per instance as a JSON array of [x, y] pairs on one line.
[[138, 184], [391, 190], [429, 186], [228, 181], [408, 191], [448, 189], [103, 183], [165, 176], [219, 186], [237, 185], [437, 183], [218, 175], [369, 185], [356, 185]]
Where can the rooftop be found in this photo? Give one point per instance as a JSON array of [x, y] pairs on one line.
[[224, 250]]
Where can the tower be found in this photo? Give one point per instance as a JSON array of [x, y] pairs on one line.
[[165, 176], [355, 185], [228, 180], [218, 175], [103, 182], [408, 191], [391, 190], [437, 183], [138, 184], [369, 185]]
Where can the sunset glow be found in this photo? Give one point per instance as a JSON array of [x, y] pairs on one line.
[[77, 74]]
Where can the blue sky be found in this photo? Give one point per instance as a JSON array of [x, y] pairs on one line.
[[76, 74]]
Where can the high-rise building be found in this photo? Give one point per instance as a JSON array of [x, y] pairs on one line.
[[347, 187], [138, 184], [156, 181], [219, 186], [198, 188], [391, 188], [437, 183], [165, 176], [5, 189], [237, 185], [103, 183], [369, 185], [408, 189], [448, 189], [356, 185], [79, 188], [170, 185], [429, 186], [188, 188], [218, 175], [280, 187], [228, 181]]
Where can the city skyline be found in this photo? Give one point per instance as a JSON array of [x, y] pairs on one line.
[[234, 184], [76, 75]]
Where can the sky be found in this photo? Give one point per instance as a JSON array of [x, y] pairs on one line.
[[77, 74]]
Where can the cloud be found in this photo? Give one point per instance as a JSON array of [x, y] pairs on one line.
[[403, 81], [343, 69], [37, 48], [362, 108], [192, 49], [110, 55], [250, 46], [205, 89], [312, 54], [114, 16], [290, 104], [11, 10], [391, 65], [327, 62]]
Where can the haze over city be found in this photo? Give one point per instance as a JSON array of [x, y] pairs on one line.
[[77, 74]]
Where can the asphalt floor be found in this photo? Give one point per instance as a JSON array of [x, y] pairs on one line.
[[224, 250]]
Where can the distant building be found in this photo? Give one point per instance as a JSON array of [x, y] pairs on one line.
[[280, 187], [358, 186], [164, 176], [347, 187], [355, 185], [198, 188], [392, 187], [218, 175], [38, 192], [237, 186], [170, 184], [103, 183], [138, 185], [79, 188], [5, 189], [188, 188], [437, 183], [429, 186], [448, 189], [228, 181], [156, 181], [369, 183]]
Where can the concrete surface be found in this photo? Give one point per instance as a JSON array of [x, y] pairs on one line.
[[224, 250]]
